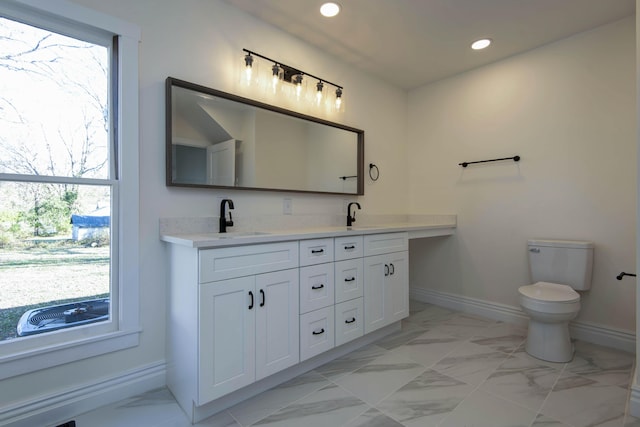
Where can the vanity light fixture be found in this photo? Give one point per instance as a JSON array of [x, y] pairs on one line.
[[287, 74], [480, 44], [330, 9]]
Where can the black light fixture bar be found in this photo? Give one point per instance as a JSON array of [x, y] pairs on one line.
[[290, 71]]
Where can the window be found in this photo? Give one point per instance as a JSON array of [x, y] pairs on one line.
[[68, 166]]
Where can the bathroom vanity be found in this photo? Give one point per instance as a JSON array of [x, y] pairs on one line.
[[249, 310]]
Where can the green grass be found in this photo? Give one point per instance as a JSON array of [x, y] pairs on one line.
[[44, 275]]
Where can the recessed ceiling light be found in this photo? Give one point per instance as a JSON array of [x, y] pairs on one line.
[[480, 44], [330, 9]]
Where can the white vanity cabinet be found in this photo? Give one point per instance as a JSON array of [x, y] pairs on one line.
[[234, 318], [246, 313], [386, 279]]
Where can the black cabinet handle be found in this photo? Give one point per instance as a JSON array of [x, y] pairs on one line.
[[351, 279], [393, 269], [318, 333], [320, 286], [263, 298], [353, 319], [251, 295], [317, 251], [346, 248], [386, 270]]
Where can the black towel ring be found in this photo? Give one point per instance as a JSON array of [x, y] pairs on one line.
[[374, 172]]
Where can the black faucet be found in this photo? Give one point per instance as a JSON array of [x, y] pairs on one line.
[[351, 219], [223, 217]]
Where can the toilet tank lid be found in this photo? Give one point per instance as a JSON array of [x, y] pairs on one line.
[[561, 243]]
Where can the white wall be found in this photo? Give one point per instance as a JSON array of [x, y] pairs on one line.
[[201, 41], [569, 110]]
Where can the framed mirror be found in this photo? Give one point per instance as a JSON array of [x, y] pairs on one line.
[[219, 140]]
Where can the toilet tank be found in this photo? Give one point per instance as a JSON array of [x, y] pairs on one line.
[[567, 262]]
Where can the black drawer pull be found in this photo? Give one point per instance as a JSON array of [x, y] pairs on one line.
[[318, 333], [386, 270], [263, 298], [393, 269], [320, 286], [353, 319], [251, 295], [346, 248], [317, 251], [351, 279]]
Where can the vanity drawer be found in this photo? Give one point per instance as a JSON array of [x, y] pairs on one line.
[[378, 244], [349, 283], [316, 287], [348, 247], [316, 332], [349, 321], [239, 261], [316, 251]]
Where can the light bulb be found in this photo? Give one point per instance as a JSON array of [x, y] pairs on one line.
[[248, 61], [298, 82], [319, 87], [276, 76], [338, 98]]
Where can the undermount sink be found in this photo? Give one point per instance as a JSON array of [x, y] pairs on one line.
[[235, 234]]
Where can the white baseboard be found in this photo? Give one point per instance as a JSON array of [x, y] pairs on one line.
[[63, 406], [594, 333]]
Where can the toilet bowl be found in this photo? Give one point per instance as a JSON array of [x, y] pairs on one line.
[[558, 268], [550, 307]]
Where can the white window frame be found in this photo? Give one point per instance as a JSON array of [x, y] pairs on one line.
[[33, 353]]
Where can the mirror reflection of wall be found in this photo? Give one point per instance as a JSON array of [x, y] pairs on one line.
[[222, 142]]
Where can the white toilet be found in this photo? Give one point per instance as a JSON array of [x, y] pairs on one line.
[[559, 268]]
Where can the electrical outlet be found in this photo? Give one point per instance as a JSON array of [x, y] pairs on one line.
[[287, 206]]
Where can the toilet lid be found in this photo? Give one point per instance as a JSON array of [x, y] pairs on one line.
[[546, 291]]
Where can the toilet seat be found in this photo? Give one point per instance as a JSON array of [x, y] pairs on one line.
[[549, 292]]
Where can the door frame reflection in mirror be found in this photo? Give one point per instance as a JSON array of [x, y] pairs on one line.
[[197, 139]]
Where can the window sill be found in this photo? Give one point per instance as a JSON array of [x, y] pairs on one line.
[[46, 357]]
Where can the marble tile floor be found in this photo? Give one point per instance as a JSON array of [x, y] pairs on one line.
[[444, 368]]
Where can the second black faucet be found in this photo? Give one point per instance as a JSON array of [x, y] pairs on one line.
[[223, 217], [352, 219]]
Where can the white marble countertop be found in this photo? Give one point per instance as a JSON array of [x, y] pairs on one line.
[[236, 238]]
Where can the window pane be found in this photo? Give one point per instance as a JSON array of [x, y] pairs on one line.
[[54, 117], [55, 256]]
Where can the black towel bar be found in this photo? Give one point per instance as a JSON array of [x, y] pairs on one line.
[[621, 275], [514, 158]]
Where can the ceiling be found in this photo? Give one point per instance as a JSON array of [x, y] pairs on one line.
[[409, 43]]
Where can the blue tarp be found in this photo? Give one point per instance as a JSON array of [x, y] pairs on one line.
[[88, 221]]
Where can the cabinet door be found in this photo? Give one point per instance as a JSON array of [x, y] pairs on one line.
[[277, 326], [375, 301], [226, 337], [397, 286]]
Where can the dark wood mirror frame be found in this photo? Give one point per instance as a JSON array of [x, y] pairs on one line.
[[173, 82]]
